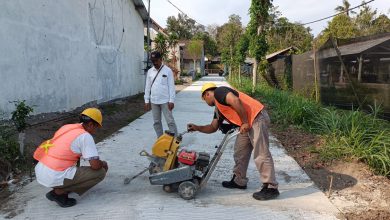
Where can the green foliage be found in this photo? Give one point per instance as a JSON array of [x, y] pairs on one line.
[[172, 40], [210, 45], [341, 26], [195, 49], [198, 76], [242, 49], [183, 27], [381, 24], [344, 8], [366, 22], [9, 148], [20, 114], [256, 28], [348, 134], [178, 82], [227, 37], [161, 45], [283, 34]]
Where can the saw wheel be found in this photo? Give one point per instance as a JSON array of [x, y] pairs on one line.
[[187, 190], [153, 168]]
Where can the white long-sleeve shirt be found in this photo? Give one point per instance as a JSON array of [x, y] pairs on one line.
[[163, 88]]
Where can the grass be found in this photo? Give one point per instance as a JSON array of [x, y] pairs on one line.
[[10, 157], [347, 134]]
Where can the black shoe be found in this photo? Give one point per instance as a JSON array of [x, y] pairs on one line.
[[61, 200], [231, 184], [266, 193]]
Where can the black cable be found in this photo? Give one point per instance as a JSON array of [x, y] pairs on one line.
[[183, 12], [364, 3]]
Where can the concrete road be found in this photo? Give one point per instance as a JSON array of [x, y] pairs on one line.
[[111, 199]]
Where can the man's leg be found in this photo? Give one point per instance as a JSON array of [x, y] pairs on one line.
[[84, 179], [242, 153], [263, 159], [156, 111], [169, 118]]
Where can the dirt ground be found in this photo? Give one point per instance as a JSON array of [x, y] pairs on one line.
[[355, 191], [117, 114]]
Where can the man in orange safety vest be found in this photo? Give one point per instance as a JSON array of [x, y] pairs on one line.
[[58, 158], [241, 110]]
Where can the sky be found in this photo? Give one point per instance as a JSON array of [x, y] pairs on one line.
[[208, 12]]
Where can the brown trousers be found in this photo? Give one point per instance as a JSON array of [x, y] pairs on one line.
[[84, 179], [256, 140]]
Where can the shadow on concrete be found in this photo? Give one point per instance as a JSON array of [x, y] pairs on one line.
[[324, 182], [321, 177]]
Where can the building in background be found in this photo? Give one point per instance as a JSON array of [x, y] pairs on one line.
[[362, 79], [60, 55]]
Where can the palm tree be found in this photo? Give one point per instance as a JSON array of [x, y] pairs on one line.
[[172, 43], [161, 45], [344, 8]]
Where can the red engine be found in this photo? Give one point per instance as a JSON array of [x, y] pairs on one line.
[[187, 157]]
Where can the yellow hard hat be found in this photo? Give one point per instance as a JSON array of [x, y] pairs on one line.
[[207, 86], [95, 114]]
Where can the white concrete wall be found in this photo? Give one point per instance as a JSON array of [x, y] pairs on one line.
[[58, 55]]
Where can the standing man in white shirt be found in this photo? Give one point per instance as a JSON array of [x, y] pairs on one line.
[[160, 94], [58, 158]]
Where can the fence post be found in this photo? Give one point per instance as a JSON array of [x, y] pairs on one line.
[[345, 69], [315, 72]]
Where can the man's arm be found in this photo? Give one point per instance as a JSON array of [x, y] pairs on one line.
[[147, 88], [171, 86], [236, 104], [208, 129], [89, 152]]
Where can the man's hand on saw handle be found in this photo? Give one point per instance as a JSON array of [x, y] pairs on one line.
[[192, 127]]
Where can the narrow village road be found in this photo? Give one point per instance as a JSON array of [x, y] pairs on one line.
[[111, 199]]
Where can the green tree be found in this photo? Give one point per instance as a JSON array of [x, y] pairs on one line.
[[365, 21], [195, 50], [344, 8], [172, 44], [341, 26], [19, 116], [284, 34], [227, 38], [210, 45], [241, 53], [381, 24], [161, 45], [259, 17], [183, 26]]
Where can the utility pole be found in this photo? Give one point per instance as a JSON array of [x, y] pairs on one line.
[[148, 39]]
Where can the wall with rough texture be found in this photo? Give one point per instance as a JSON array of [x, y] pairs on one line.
[[58, 55]]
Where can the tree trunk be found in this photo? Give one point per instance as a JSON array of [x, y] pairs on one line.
[[315, 74], [254, 75], [360, 68], [193, 77], [239, 74], [231, 62], [21, 138]]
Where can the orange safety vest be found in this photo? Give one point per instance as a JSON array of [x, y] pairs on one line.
[[56, 153], [251, 106]]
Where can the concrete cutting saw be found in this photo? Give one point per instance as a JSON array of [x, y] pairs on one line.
[[181, 170]]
